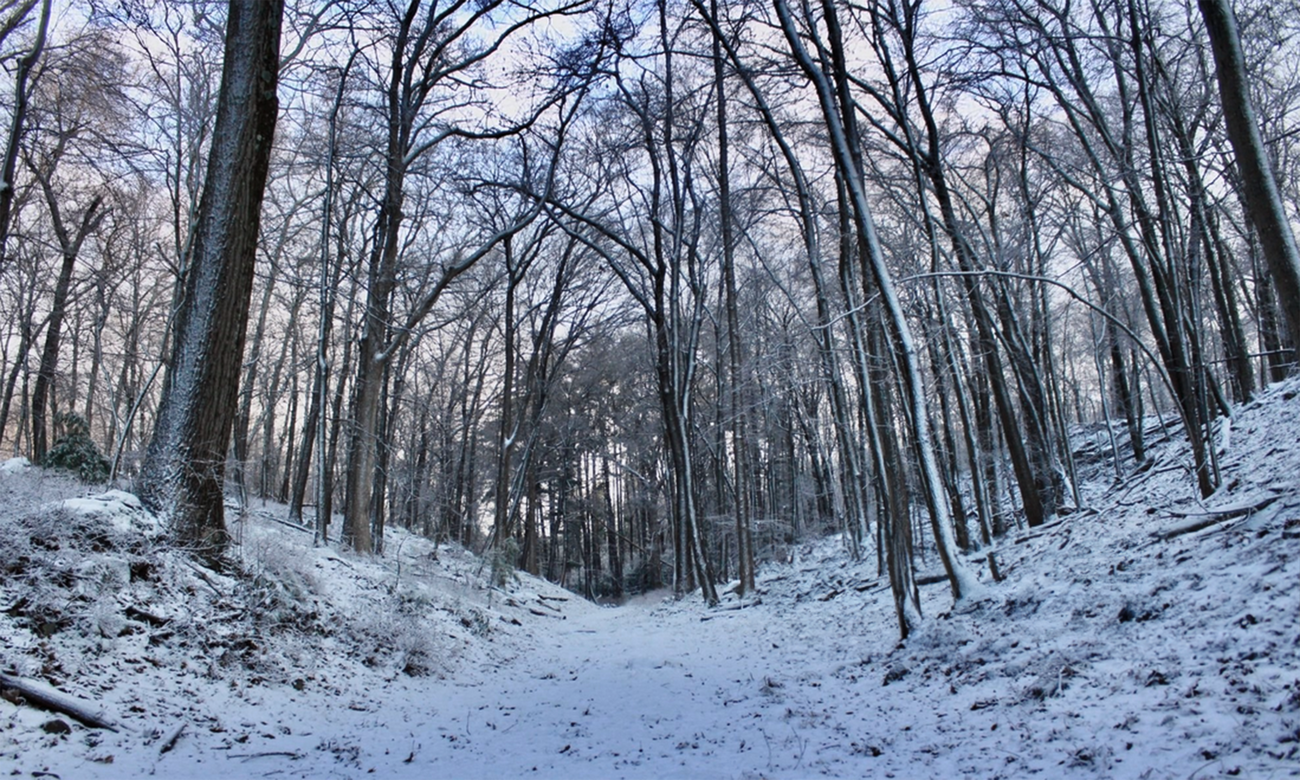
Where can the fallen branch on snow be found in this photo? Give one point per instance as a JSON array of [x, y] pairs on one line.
[[739, 605], [1206, 518], [282, 521], [725, 609], [137, 614], [51, 698], [206, 578], [172, 739], [290, 754], [1042, 530]]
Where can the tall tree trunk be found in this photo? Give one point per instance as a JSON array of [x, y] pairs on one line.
[[270, 455], [244, 417], [27, 334], [185, 464], [960, 579], [363, 444], [287, 438], [69, 249], [1271, 336], [738, 416], [508, 433], [313, 429], [102, 300], [1260, 192], [9, 166], [325, 490], [1031, 451]]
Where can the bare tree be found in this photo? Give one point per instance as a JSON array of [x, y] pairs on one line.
[[431, 47], [18, 116], [962, 581], [185, 465], [1260, 191]]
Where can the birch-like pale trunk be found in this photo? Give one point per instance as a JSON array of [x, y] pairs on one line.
[[961, 580]]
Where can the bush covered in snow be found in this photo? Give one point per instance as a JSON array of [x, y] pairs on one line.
[[76, 452]]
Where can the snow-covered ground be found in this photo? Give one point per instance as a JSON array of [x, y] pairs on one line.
[[1109, 651]]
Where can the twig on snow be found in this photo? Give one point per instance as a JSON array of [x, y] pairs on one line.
[[290, 754], [172, 739]]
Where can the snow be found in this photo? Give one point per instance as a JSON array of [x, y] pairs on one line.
[[123, 510], [1109, 650], [15, 465]]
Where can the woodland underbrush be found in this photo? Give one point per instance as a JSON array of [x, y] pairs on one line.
[[89, 581]]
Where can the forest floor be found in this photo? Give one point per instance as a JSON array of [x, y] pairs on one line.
[[1120, 645]]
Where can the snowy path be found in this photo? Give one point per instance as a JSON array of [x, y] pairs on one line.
[[793, 688], [644, 690], [636, 691], [807, 684], [625, 692]]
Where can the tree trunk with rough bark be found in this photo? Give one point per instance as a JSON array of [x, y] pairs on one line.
[[1260, 192], [185, 464]]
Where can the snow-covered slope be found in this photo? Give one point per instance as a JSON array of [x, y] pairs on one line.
[[1122, 644], [273, 649]]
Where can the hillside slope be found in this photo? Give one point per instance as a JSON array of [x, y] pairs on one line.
[[1122, 644]]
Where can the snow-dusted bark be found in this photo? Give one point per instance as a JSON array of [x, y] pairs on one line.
[[185, 465], [896, 554], [1259, 187], [962, 580]]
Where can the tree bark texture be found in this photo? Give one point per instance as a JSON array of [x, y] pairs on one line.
[[1260, 192], [185, 464]]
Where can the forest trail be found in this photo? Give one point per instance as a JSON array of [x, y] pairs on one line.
[[1129, 641], [1049, 678], [618, 690], [654, 688], [647, 689]]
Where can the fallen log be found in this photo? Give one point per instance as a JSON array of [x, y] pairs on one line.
[[1041, 530], [737, 606], [139, 615], [51, 698], [1208, 517]]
